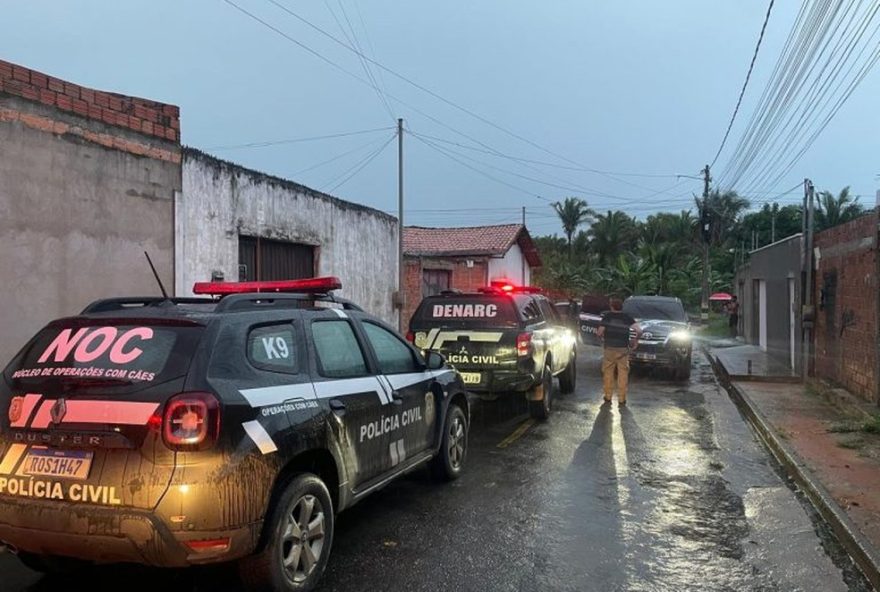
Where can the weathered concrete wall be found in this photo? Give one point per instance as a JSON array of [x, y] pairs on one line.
[[85, 189], [775, 264], [847, 289], [221, 201], [511, 267]]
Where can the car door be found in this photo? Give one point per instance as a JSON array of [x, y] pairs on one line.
[[410, 384], [552, 333], [345, 382]]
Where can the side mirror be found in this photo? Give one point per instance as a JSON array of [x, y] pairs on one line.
[[435, 361]]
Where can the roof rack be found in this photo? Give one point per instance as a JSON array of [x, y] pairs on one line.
[[129, 302], [254, 300]]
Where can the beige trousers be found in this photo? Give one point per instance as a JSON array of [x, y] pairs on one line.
[[616, 359]]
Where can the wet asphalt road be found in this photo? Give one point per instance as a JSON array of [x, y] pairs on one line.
[[672, 492]]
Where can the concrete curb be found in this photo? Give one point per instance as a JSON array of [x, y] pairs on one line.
[[860, 549]]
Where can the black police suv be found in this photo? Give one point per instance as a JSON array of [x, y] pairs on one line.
[[590, 318], [177, 432], [666, 340], [501, 339]]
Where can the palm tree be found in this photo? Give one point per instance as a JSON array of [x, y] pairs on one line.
[[611, 234], [722, 212], [573, 212], [663, 257], [831, 211], [631, 275]]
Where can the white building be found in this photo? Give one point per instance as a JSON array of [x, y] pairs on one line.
[[238, 224]]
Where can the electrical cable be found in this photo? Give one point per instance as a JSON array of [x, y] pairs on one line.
[[745, 84], [358, 167], [297, 140]]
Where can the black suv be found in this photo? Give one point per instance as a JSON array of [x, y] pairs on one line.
[[501, 339], [666, 334], [177, 432], [590, 317]]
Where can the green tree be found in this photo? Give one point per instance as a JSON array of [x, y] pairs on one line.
[[722, 212], [629, 275], [611, 234], [572, 212], [833, 210]]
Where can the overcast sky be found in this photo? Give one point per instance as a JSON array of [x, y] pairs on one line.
[[641, 87]]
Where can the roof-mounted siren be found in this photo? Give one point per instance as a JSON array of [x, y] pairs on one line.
[[320, 285]]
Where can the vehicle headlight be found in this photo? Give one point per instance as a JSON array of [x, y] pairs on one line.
[[680, 336]]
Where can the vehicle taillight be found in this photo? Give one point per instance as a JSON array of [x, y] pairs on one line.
[[524, 345], [410, 336], [191, 421]]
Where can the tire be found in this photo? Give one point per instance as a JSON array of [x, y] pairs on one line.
[[683, 372], [449, 462], [305, 501], [541, 409], [568, 378]]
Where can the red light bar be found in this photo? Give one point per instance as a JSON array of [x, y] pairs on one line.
[[310, 285], [509, 288]]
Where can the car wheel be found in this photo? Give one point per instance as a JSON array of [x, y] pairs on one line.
[[568, 378], [300, 535], [448, 463], [683, 371], [541, 409]]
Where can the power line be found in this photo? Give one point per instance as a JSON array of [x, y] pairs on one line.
[[745, 84], [545, 163], [829, 51], [366, 67], [436, 95], [335, 158], [358, 167], [297, 140], [570, 187]]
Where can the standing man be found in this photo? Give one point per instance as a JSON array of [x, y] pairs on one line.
[[733, 317], [614, 331]]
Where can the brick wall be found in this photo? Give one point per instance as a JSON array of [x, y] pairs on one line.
[[846, 340], [87, 184], [152, 119], [464, 278]]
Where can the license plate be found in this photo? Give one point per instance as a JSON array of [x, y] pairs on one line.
[[65, 464], [471, 377], [646, 356]]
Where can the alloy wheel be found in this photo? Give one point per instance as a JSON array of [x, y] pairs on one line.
[[302, 540]]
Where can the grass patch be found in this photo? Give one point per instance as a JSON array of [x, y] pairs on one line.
[[852, 444], [717, 326], [872, 426]]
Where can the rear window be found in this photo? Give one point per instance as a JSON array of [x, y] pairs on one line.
[[107, 353], [595, 305], [655, 310], [467, 310]]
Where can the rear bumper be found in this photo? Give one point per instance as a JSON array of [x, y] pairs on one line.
[[111, 535], [498, 381]]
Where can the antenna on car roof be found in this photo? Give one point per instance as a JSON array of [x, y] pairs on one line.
[[156, 275]]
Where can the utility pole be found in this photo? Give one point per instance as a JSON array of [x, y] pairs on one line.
[[773, 224], [705, 231], [522, 254], [401, 269], [807, 313]]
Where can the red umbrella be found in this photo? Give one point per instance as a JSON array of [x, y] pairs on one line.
[[721, 297]]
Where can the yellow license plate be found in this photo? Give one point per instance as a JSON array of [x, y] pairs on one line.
[[471, 377], [63, 464]]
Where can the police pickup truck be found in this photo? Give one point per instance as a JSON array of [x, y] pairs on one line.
[[502, 339], [177, 432]]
